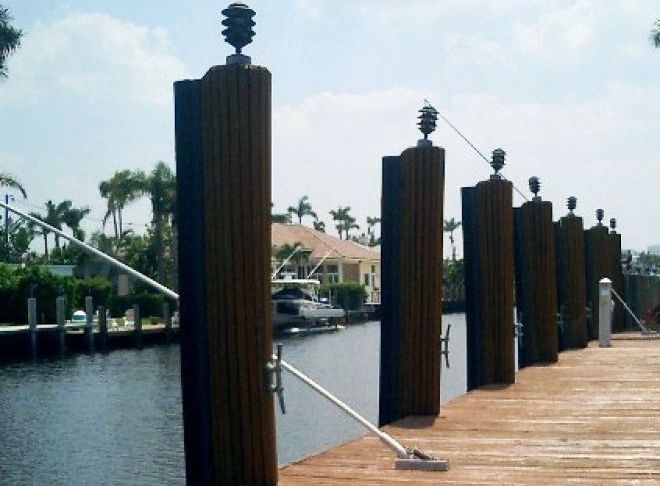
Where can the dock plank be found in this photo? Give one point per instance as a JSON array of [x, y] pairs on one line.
[[592, 418]]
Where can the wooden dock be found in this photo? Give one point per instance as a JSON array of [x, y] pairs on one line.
[[591, 418]]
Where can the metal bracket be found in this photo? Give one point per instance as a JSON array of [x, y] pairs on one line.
[[274, 377], [444, 345]]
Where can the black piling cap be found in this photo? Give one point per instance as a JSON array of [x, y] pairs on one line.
[[239, 25], [428, 115], [534, 185], [600, 214], [613, 225], [497, 161], [571, 202]]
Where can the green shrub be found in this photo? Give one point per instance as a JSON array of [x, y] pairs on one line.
[[150, 304], [349, 296]]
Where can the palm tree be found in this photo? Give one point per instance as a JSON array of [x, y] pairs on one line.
[[371, 223], [160, 186], [341, 215], [450, 226], [122, 188], [304, 208], [10, 39], [319, 225], [7, 180], [53, 216], [655, 34], [349, 224], [72, 219], [279, 217]]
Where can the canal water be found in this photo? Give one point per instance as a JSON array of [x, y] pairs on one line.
[[115, 419]]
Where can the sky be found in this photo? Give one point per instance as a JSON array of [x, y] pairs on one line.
[[570, 89]]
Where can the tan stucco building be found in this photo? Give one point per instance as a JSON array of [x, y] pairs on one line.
[[342, 260]]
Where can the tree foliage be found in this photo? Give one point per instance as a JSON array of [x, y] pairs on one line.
[[10, 39]]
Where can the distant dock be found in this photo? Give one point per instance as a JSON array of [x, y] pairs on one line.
[[592, 418]]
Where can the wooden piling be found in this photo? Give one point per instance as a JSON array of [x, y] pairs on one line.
[[616, 275], [89, 323], [167, 320], [103, 329], [60, 317], [571, 283], [597, 258], [32, 325], [536, 282], [488, 255], [224, 154], [412, 200], [137, 326]]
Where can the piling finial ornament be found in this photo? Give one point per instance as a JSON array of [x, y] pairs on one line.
[[497, 162], [428, 115], [600, 214], [238, 32], [572, 204], [535, 187], [613, 225]]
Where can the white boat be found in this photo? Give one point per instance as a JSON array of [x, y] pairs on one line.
[[296, 304]]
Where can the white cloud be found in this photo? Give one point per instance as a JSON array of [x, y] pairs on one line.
[[96, 56]]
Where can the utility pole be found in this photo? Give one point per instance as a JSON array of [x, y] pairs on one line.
[[7, 199]]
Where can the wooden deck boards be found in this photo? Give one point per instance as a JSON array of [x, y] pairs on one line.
[[592, 418]]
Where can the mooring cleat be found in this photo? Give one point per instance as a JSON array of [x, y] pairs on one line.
[[418, 460]]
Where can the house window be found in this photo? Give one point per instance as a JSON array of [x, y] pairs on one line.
[[332, 274], [373, 268], [367, 280]]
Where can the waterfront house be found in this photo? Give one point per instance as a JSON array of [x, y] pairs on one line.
[[338, 260]]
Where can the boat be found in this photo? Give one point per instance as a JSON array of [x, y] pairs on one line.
[[296, 305]]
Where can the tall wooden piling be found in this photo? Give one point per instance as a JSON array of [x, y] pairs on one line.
[[412, 212], [571, 283], [137, 326], [616, 275], [103, 329], [488, 255], [60, 317], [597, 259], [89, 323], [32, 325], [536, 282], [223, 138]]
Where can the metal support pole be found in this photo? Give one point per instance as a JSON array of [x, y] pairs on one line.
[[605, 307], [60, 317], [32, 324], [167, 319], [89, 322]]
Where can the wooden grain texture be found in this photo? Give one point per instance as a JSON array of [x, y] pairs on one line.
[[592, 418], [536, 282], [597, 266], [571, 281], [488, 254], [237, 195], [413, 194], [616, 275]]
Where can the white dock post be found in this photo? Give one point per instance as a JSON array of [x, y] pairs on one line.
[[137, 326], [167, 319], [89, 329], [605, 306], [32, 324], [61, 320]]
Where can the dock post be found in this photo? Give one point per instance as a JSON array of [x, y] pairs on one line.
[[605, 306], [597, 264], [60, 317], [167, 319], [571, 283], [536, 279], [103, 328], [89, 323], [137, 326], [32, 325], [488, 255], [412, 209], [616, 274], [223, 153]]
